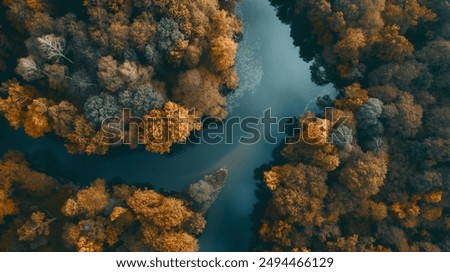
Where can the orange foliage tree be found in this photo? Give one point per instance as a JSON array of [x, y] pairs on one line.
[[163, 128]]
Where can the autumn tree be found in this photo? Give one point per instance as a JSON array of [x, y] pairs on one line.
[[364, 175], [223, 52], [7, 204], [162, 219], [37, 226], [326, 157], [143, 29], [16, 170], [198, 90], [36, 122], [348, 47], [86, 236], [409, 118], [353, 98], [165, 213], [61, 117], [85, 139], [298, 192], [15, 104], [407, 15], [164, 127], [90, 201], [393, 46], [118, 32], [108, 74], [177, 242], [385, 93]]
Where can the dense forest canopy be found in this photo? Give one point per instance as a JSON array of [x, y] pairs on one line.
[[78, 66], [383, 185]]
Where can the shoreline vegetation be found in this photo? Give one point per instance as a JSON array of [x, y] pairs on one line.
[[39, 213], [386, 186]]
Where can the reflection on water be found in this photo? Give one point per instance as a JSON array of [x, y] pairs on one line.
[[285, 87]]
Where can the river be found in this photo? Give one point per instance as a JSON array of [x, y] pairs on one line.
[[268, 57]]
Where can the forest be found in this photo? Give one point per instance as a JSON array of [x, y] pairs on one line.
[[41, 213], [380, 180], [79, 70], [78, 66]]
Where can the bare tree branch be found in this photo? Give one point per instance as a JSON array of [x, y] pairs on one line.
[[52, 47]]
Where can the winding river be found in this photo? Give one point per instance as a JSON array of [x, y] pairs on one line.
[[273, 76]]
